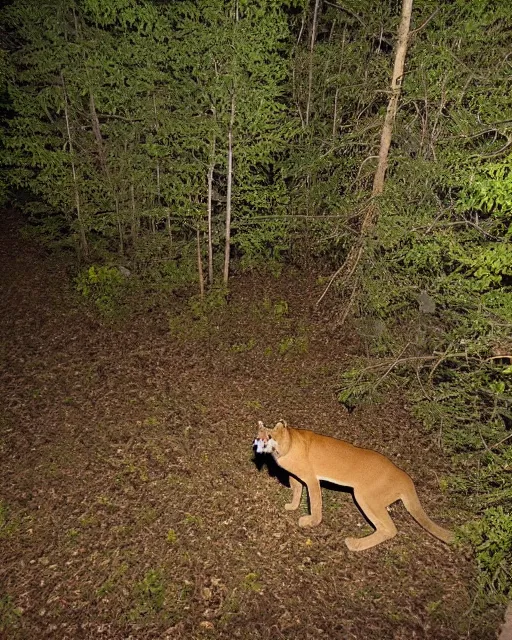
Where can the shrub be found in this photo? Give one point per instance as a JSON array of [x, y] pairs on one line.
[[105, 286]]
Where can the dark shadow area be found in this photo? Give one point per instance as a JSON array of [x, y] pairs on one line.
[[261, 460], [348, 490]]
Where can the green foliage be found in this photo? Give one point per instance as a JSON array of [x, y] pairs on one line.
[[149, 594], [468, 403], [9, 613], [46, 230], [3, 515], [104, 286], [9, 525], [490, 192], [249, 75], [358, 386], [198, 319], [113, 131], [171, 537], [491, 537], [279, 308], [442, 291], [162, 269], [435, 300], [293, 345], [251, 582], [492, 264], [204, 308], [244, 347]]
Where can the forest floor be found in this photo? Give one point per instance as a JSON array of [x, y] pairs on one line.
[[131, 506]]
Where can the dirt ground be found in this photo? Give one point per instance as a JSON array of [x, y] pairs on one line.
[[131, 506]]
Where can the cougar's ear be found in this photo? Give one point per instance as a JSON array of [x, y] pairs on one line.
[[262, 431], [282, 424]]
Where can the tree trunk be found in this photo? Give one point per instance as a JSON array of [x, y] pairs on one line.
[[356, 253], [104, 166], [97, 135], [396, 87], [335, 114], [209, 213], [158, 192], [169, 231], [387, 129], [199, 263], [311, 50], [83, 237], [119, 228], [135, 221], [227, 247]]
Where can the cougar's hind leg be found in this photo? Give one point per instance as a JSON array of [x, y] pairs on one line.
[[378, 515]]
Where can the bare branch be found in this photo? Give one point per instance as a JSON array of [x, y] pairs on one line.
[[424, 24]]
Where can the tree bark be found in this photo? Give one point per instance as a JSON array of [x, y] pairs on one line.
[[209, 212], [396, 87], [135, 221], [83, 237], [335, 114], [199, 263], [314, 27], [104, 166], [227, 247], [158, 194], [97, 135], [356, 253]]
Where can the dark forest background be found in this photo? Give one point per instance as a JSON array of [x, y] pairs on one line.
[[165, 146]]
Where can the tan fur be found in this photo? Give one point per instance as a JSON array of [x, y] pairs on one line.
[[377, 482]]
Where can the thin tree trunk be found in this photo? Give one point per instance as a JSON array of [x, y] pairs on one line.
[[119, 228], [158, 183], [104, 166], [169, 231], [335, 114], [314, 27], [209, 212], [97, 135], [356, 253], [83, 238], [387, 129], [311, 50], [135, 221], [295, 91], [227, 247], [199, 263], [396, 87]]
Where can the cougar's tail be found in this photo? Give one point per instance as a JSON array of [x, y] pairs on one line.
[[413, 506]]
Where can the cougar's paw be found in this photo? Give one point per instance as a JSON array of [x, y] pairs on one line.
[[289, 506], [307, 521], [354, 544]]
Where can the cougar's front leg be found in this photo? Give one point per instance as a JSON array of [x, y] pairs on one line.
[[315, 501], [296, 496]]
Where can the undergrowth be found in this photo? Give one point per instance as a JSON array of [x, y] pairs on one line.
[[435, 315]]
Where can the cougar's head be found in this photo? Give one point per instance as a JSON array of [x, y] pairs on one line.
[[267, 440]]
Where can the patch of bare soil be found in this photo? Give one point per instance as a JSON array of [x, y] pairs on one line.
[[131, 506]]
